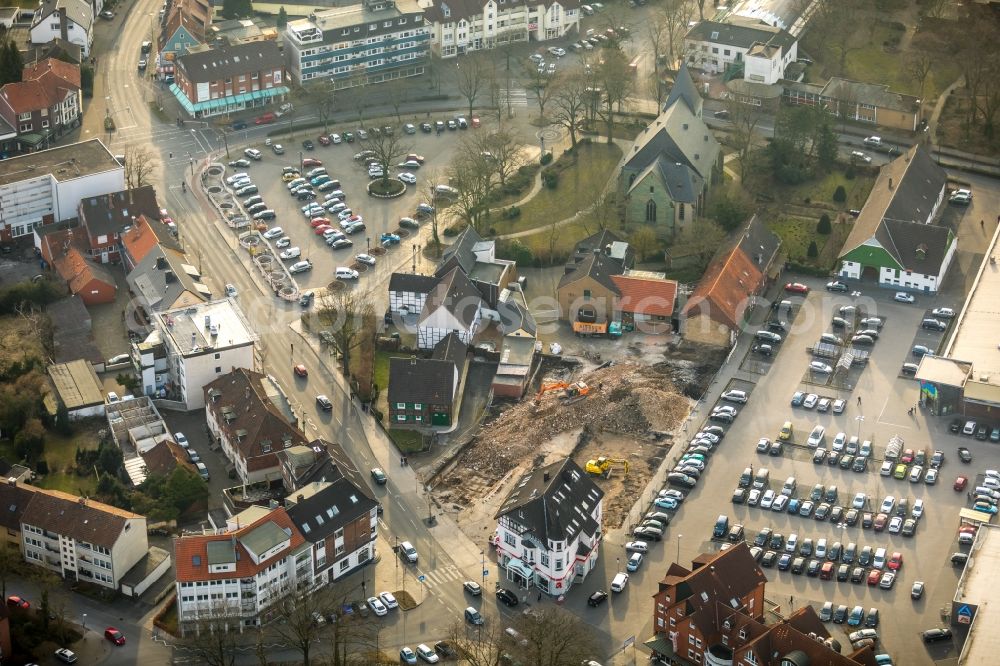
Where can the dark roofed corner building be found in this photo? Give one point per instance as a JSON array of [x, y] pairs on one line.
[[549, 528], [212, 82], [106, 217], [424, 392], [713, 613], [715, 311], [894, 239]]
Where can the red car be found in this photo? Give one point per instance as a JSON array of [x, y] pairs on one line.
[[797, 287], [316, 221], [324, 140], [264, 119], [18, 602], [907, 457], [960, 483], [115, 636], [311, 162], [323, 228], [896, 561], [874, 576], [880, 521], [300, 370]]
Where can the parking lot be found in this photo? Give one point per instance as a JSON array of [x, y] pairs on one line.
[[379, 215], [876, 408]]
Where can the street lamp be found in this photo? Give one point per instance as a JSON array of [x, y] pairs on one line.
[[678, 558], [482, 554], [84, 623], [368, 243], [860, 419]]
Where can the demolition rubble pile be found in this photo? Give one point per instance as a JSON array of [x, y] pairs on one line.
[[627, 399]]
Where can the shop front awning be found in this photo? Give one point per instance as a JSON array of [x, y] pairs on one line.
[[519, 567], [182, 99], [660, 644]]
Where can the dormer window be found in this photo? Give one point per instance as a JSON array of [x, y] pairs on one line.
[[445, 10]]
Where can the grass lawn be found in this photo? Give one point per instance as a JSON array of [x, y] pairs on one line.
[[821, 190], [798, 232], [580, 185], [408, 441], [60, 454]]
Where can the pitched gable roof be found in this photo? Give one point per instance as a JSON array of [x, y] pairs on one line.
[[427, 381], [164, 457], [230, 60], [461, 251], [680, 136], [684, 90], [193, 554], [682, 182], [648, 296], [554, 502], [78, 11], [321, 508], [52, 68], [14, 500], [78, 271], [447, 11], [146, 234], [76, 517], [195, 17], [456, 294], [597, 266], [741, 33], [906, 190], [27, 96], [252, 423], [412, 283], [514, 313], [109, 214], [164, 280]]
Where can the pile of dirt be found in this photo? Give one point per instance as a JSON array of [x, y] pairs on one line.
[[627, 399]]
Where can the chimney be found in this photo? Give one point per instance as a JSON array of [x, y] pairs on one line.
[[300, 498], [11, 481], [890, 183], [169, 276], [161, 263], [546, 476], [246, 393], [413, 360], [607, 249], [193, 338]]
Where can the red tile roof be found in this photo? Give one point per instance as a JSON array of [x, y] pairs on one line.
[[191, 549], [26, 96], [78, 272], [53, 68], [140, 239], [724, 290], [647, 296]]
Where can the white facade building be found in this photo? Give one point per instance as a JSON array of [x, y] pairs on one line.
[[47, 186], [81, 539], [460, 26], [72, 20], [549, 528], [763, 50], [200, 343], [408, 292], [237, 577]]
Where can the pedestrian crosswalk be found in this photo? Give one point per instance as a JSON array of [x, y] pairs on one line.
[[517, 96], [441, 576]]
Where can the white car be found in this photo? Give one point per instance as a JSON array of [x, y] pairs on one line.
[[231, 290], [859, 501], [427, 654], [408, 551], [838, 441], [377, 606], [637, 547], [557, 51], [407, 177], [389, 600], [344, 214], [961, 196], [300, 267], [817, 366], [273, 232], [290, 253], [113, 398], [767, 499], [903, 297], [816, 436], [365, 259], [943, 313], [860, 156], [619, 582], [887, 504], [284, 241]]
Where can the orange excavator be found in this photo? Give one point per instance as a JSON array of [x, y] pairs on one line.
[[570, 392]]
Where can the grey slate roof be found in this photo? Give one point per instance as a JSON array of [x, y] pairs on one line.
[[412, 283], [679, 135], [906, 190], [759, 243], [514, 315], [554, 502], [227, 61], [684, 89], [78, 11], [741, 33], [108, 214], [455, 293], [682, 182], [329, 509], [600, 267], [451, 348], [461, 251], [149, 279], [427, 381], [466, 9]]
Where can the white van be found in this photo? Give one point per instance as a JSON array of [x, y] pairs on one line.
[[344, 273], [879, 560], [619, 582], [253, 153]]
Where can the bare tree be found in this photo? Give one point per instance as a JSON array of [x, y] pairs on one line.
[[935, 8], [657, 33], [494, 85], [471, 75], [387, 149], [989, 100], [358, 93], [554, 637], [543, 84], [831, 17], [701, 9], [473, 175], [344, 312], [571, 102], [616, 86], [918, 67], [397, 92], [643, 241], [302, 618], [431, 195], [214, 641], [481, 646], [139, 166], [675, 15], [323, 93], [700, 242], [745, 118], [505, 150]]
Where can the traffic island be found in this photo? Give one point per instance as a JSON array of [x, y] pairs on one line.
[[405, 600], [386, 189]]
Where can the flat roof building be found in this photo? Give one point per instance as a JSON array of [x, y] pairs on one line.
[[77, 388], [973, 611]]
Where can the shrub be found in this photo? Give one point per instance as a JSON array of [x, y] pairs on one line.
[[813, 251], [516, 251], [512, 213], [453, 230], [546, 158], [850, 172], [550, 179], [824, 227], [840, 194]]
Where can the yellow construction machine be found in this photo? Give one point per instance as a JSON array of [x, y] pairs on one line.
[[570, 392], [604, 465]]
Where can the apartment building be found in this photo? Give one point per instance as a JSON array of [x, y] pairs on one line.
[[44, 105], [461, 26], [370, 42], [70, 20], [215, 81]]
